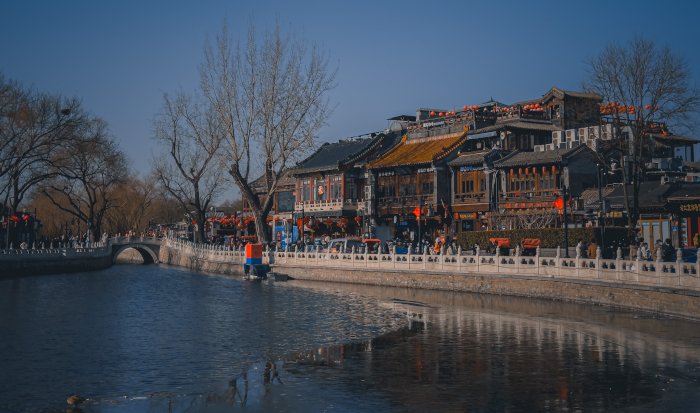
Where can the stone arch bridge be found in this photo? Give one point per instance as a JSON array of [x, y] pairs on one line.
[[148, 247]]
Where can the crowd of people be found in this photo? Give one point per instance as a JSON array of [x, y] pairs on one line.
[[636, 249]]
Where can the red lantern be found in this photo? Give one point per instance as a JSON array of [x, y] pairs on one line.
[[464, 107], [432, 113], [558, 203], [440, 114], [358, 220]]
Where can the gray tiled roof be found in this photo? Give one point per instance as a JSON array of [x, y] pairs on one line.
[[590, 196], [286, 180], [555, 91], [651, 195], [517, 123], [330, 155], [684, 189], [476, 158], [518, 158]]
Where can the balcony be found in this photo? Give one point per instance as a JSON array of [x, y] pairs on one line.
[[529, 199], [331, 205], [471, 198], [393, 205]]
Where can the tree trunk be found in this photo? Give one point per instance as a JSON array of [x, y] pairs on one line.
[[201, 219], [261, 227]]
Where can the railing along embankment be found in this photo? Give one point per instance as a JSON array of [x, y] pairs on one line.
[[58, 258], [664, 287]]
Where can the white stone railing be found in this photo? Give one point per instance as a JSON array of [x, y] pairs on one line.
[[208, 252], [131, 239], [677, 274], [58, 249]]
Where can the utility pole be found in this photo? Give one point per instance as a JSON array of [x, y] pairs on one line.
[[601, 212], [566, 223]]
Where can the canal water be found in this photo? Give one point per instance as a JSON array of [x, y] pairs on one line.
[[150, 339]]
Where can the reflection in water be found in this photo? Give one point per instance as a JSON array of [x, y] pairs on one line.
[[304, 346], [466, 352]]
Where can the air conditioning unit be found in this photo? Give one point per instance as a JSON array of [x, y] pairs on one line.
[[563, 145], [573, 143], [538, 148], [665, 180], [606, 132], [593, 132], [593, 144], [570, 134], [583, 134], [557, 137], [549, 147]]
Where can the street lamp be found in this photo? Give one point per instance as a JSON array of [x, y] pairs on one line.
[[601, 207]]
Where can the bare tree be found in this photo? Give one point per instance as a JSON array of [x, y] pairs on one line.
[[32, 128], [268, 99], [646, 84], [91, 166], [134, 199], [191, 170]]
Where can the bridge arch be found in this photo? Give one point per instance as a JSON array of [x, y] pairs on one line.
[[147, 253]]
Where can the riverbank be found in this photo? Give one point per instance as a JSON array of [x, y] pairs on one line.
[[15, 263], [593, 282]]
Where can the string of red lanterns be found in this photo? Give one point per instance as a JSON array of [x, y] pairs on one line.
[[612, 108]]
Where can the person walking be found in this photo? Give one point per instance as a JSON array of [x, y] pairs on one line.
[[582, 248], [592, 249], [644, 251], [668, 252]]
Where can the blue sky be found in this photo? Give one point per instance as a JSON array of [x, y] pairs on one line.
[[392, 57]]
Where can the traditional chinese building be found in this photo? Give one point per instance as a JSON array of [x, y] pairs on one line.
[[414, 177], [475, 188], [330, 184], [532, 181]]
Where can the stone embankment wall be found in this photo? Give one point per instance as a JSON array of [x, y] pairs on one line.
[[53, 261], [673, 299], [201, 259], [665, 300]]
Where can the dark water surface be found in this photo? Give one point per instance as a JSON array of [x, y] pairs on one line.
[[151, 339]]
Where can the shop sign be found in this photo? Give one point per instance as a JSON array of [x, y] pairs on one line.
[[433, 124], [386, 173], [426, 170], [689, 207], [465, 215]]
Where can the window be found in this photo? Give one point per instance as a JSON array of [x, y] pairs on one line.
[[320, 190]]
